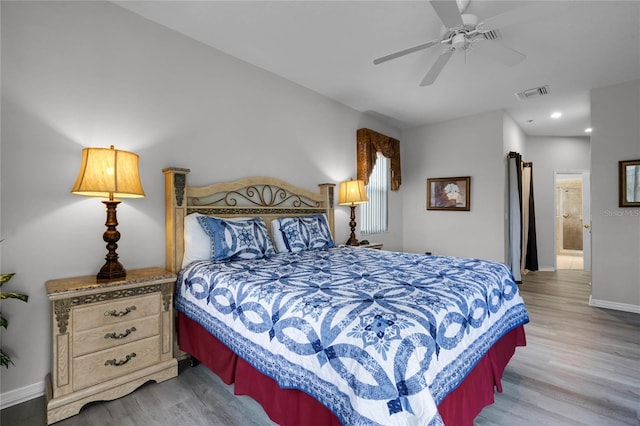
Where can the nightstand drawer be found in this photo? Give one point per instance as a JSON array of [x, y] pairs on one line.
[[96, 339], [111, 363], [98, 315]]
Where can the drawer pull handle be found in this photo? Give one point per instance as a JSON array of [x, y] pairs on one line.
[[113, 313], [113, 335], [122, 361]]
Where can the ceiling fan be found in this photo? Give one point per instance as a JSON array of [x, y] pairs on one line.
[[462, 32]]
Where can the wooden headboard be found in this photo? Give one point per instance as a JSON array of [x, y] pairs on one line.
[[266, 197]]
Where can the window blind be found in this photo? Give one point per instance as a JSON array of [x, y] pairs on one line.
[[374, 214]]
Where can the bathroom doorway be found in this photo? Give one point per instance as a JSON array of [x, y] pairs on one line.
[[571, 226]]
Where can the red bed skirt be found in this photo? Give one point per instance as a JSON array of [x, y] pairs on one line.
[[292, 407]]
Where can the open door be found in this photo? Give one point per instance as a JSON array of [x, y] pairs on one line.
[[573, 220]]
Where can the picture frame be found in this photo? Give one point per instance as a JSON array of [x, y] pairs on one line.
[[450, 193], [629, 183]]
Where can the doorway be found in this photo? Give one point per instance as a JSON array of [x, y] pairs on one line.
[[571, 191]]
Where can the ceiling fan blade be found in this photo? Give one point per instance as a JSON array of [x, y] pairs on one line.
[[405, 52], [523, 14], [502, 53], [436, 68], [448, 12]]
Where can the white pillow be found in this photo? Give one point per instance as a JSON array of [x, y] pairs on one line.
[[276, 236], [197, 243]]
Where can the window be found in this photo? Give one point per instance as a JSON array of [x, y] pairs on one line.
[[374, 213]]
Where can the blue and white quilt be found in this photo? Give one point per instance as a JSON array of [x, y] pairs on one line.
[[378, 337]]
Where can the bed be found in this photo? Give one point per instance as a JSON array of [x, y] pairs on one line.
[[321, 334]]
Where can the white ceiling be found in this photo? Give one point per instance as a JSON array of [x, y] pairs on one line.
[[329, 46]]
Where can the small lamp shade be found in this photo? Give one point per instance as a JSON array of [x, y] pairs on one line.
[[351, 192], [108, 173]]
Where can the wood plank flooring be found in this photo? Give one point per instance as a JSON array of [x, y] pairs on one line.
[[581, 366], [570, 261]]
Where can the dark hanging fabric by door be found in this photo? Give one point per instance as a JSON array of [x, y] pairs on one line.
[[523, 247], [514, 176], [531, 253]]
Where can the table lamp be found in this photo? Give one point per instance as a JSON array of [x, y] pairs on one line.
[[109, 173], [350, 194]]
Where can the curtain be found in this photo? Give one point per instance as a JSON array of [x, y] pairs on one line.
[[515, 214], [523, 247], [524, 194], [369, 143], [530, 248]]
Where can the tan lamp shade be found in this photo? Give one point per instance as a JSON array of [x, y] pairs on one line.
[[108, 173], [351, 192]]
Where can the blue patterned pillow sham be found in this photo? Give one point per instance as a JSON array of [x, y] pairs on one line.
[[232, 240], [305, 233]]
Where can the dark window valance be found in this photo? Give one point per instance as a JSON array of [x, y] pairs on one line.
[[369, 143]]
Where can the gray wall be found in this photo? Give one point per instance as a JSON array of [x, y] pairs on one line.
[[550, 155], [615, 117], [471, 146], [78, 74]]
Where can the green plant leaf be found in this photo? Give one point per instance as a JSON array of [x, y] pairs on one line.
[[4, 359], [5, 277], [12, 295]]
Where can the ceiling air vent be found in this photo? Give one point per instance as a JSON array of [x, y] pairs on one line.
[[533, 93]]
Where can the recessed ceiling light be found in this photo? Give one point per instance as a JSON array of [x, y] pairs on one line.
[[556, 114], [588, 130]]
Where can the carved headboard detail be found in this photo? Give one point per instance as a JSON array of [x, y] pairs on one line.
[[266, 197]]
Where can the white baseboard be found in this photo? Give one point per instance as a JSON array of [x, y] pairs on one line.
[[16, 396], [553, 269], [614, 305]]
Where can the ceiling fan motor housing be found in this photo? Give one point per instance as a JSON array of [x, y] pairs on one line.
[[459, 41], [457, 37]]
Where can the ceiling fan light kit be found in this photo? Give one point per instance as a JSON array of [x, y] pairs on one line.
[[462, 32]]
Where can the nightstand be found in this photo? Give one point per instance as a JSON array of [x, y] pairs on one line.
[[377, 246], [108, 338]]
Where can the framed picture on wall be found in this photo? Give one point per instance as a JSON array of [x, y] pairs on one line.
[[452, 193], [629, 185]]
